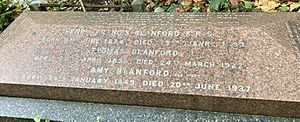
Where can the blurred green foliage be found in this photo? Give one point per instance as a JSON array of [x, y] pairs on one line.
[[61, 3], [8, 12], [189, 5]]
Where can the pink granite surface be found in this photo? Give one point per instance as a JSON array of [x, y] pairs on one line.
[[71, 50]]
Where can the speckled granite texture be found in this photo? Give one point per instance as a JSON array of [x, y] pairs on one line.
[[88, 112], [229, 62]]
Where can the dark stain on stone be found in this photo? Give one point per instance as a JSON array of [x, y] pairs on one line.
[[33, 33]]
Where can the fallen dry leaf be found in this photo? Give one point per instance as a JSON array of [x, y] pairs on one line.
[[168, 2], [197, 1], [179, 10], [186, 2], [234, 2], [150, 6], [266, 5]]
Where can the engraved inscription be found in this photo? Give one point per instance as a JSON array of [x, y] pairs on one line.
[[194, 61]]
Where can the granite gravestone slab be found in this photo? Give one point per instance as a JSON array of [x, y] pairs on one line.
[[229, 62]]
